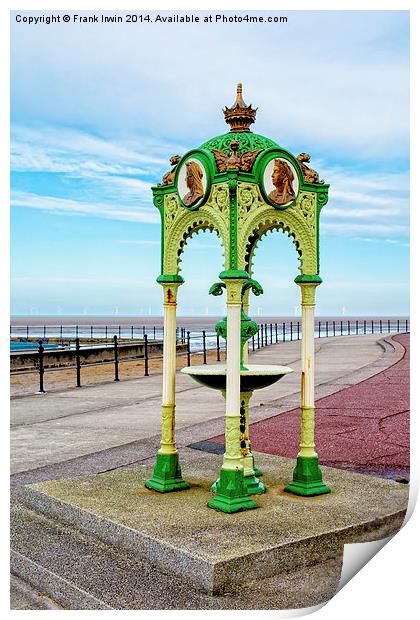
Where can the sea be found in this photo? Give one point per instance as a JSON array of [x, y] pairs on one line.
[[85, 326]]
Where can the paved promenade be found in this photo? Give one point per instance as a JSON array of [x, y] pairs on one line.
[[365, 427], [118, 423], [362, 424]]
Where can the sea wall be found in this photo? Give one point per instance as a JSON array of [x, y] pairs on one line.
[[61, 358]]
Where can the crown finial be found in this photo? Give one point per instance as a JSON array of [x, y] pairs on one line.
[[239, 116], [239, 101]]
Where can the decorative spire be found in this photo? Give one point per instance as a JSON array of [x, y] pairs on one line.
[[240, 116]]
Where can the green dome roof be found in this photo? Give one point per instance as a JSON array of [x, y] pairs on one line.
[[248, 141]]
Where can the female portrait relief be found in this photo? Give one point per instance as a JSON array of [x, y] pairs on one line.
[[282, 178], [194, 181]]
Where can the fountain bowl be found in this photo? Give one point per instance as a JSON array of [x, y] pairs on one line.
[[255, 377]]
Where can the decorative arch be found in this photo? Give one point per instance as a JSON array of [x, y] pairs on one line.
[[180, 225], [256, 218], [259, 235]]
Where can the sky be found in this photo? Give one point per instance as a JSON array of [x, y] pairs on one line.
[[98, 109]]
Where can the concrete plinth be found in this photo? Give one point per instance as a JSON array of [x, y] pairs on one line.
[[205, 550]]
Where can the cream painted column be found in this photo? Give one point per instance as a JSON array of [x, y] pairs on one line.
[[307, 444], [307, 475], [167, 475], [232, 457], [170, 291], [245, 302]]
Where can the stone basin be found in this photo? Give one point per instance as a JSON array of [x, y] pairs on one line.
[[255, 377]]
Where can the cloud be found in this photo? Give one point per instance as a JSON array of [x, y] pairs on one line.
[[81, 154], [66, 206], [86, 168], [364, 202], [345, 89], [355, 228]]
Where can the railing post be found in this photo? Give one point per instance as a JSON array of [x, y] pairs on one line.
[[132, 332], [61, 332], [372, 327], [398, 325], [253, 343], [326, 329], [258, 339], [146, 357], [106, 332], [77, 331], [319, 329], [389, 326], [154, 332], [341, 328], [277, 339], [291, 330], [116, 358], [27, 332], [298, 330], [45, 328], [364, 326], [188, 349], [41, 367], [218, 347], [406, 325], [271, 333], [262, 335], [119, 331], [380, 326], [357, 328], [333, 328], [91, 332], [204, 347], [265, 331], [78, 384], [284, 331]]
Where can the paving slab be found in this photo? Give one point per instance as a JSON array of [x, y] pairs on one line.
[[179, 535]]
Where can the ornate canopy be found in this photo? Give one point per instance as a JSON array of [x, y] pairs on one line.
[[241, 185]]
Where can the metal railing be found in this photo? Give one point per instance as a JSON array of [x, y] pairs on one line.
[[199, 343]]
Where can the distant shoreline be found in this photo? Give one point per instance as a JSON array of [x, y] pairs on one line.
[[182, 321]]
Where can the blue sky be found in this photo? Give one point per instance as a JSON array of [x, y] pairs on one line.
[[97, 110]]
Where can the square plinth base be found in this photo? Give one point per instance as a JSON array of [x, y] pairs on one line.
[[210, 550]]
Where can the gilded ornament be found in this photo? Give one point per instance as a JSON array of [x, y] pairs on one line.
[[310, 175], [233, 161], [240, 116], [169, 177]]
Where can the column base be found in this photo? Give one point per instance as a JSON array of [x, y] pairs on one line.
[[307, 478], [167, 474], [231, 494], [253, 485]]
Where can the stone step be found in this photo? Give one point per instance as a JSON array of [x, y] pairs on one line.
[[177, 534], [76, 571]]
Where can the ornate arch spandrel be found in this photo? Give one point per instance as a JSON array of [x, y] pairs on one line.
[[256, 218], [179, 224]]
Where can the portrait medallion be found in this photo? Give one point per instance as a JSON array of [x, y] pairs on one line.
[[280, 182], [192, 182]]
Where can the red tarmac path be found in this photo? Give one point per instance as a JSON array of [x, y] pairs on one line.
[[363, 428]]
